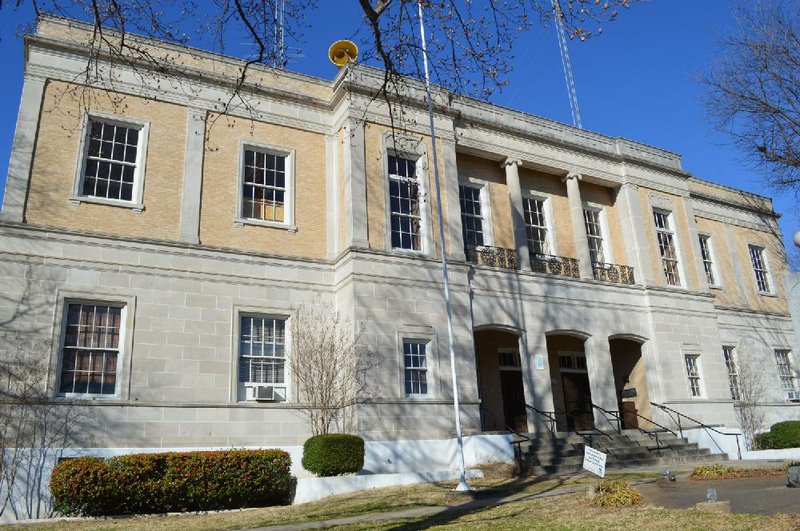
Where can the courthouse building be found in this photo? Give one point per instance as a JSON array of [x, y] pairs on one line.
[[160, 248]]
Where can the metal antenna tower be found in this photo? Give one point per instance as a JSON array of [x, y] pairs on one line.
[[280, 49], [562, 45]]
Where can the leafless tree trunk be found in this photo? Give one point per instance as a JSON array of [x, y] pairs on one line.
[[750, 389], [753, 89], [33, 432], [328, 368]]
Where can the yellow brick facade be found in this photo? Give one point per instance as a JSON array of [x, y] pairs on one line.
[[221, 173], [58, 157]]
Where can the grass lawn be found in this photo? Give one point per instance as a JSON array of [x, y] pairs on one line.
[[563, 512]]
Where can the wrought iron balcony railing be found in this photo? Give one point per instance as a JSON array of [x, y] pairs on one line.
[[621, 274], [555, 265], [492, 256]]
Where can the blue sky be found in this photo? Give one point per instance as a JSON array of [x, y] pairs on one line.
[[638, 80]]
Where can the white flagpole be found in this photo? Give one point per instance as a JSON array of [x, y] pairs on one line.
[[462, 484]]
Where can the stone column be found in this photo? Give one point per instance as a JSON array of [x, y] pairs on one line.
[[193, 175], [452, 202], [355, 186], [517, 213], [536, 380], [601, 379], [694, 248], [578, 225], [633, 225], [19, 164]]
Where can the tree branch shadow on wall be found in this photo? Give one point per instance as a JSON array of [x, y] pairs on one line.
[[35, 428]]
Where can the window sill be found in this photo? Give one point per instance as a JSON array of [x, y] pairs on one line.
[[78, 199], [87, 397], [715, 287], [240, 222], [768, 294], [410, 252], [418, 398]]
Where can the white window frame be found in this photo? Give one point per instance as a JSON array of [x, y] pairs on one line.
[[125, 344], [410, 148], [137, 197], [574, 356], [515, 356], [289, 195], [695, 391], [762, 254], [424, 233], [239, 388], [790, 373], [605, 233], [486, 211], [711, 261], [549, 221], [730, 358], [672, 230]]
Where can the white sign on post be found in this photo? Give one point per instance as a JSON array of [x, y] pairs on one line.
[[594, 461]]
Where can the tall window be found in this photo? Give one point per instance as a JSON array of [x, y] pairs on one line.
[[262, 350], [112, 156], [406, 218], [415, 363], [708, 261], [785, 371], [693, 374], [729, 353], [264, 186], [594, 232], [759, 268], [536, 225], [471, 215], [666, 246], [90, 351]]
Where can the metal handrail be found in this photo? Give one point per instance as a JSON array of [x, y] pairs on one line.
[[669, 411], [549, 415], [614, 415], [653, 434]]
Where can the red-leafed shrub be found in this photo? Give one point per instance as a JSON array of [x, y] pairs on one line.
[[172, 482]]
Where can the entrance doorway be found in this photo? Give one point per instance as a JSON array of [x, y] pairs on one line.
[[500, 382], [572, 396], [630, 383], [513, 390]]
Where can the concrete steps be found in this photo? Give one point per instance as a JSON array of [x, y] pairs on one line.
[[563, 452]]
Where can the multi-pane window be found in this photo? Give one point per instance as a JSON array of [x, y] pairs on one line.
[[264, 186], [262, 350], [471, 215], [666, 247], [109, 171], [594, 233], [406, 218], [90, 352], [693, 374], [729, 354], [785, 371], [708, 261], [536, 225], [415, 363], [759, 268]]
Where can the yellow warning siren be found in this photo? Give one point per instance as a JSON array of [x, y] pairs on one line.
[[342, 52]]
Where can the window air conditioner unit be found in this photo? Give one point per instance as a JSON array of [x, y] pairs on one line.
[[793, 395], [260, 392]]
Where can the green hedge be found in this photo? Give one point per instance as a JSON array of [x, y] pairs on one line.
[[785, 434], [762, 441], [333, 454], [172, 482]]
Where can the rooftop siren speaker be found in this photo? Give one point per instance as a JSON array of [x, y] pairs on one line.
[[342, 52]]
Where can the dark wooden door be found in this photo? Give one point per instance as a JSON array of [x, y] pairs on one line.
[[514, 400]]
